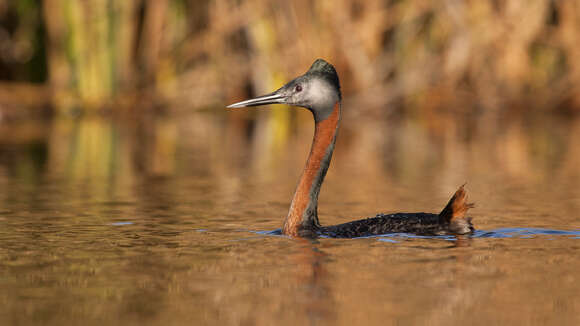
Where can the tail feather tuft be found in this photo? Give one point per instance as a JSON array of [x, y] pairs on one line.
[[456, 208]]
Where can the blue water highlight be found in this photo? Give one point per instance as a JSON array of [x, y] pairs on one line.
[[524, 233], [122, 223], [502, 233]]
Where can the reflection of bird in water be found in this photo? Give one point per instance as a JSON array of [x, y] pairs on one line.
[[314, 294], [319, 91]]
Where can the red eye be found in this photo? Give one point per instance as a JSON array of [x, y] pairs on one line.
[[298, 88]]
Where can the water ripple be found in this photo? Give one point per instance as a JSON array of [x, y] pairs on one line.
[[520, 233], [525, 233]]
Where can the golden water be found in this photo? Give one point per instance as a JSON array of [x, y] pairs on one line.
[[166, 221]]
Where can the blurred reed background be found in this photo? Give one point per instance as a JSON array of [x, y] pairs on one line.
[[103, 54], [486, 64]]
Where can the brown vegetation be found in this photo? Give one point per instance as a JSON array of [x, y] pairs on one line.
[[515, 53]]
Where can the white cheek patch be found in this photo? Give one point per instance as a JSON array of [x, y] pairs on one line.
[[322, 98], [321, 94]]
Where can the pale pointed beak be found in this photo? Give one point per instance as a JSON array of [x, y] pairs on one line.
[[272, 98]]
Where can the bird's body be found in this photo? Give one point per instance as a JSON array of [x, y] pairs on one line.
[[319, 91], [417, 223]]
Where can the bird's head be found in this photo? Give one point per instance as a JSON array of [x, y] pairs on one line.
[[317, 90]]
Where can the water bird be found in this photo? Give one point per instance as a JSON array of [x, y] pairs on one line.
[[318, 90]]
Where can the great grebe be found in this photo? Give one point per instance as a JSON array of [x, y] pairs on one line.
[[318, 90]]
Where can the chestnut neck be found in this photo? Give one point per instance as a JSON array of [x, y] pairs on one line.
[[303, 214]]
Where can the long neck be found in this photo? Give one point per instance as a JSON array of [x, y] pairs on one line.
[[303, 214]]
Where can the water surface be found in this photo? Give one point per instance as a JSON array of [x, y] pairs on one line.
[[167, 221]]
